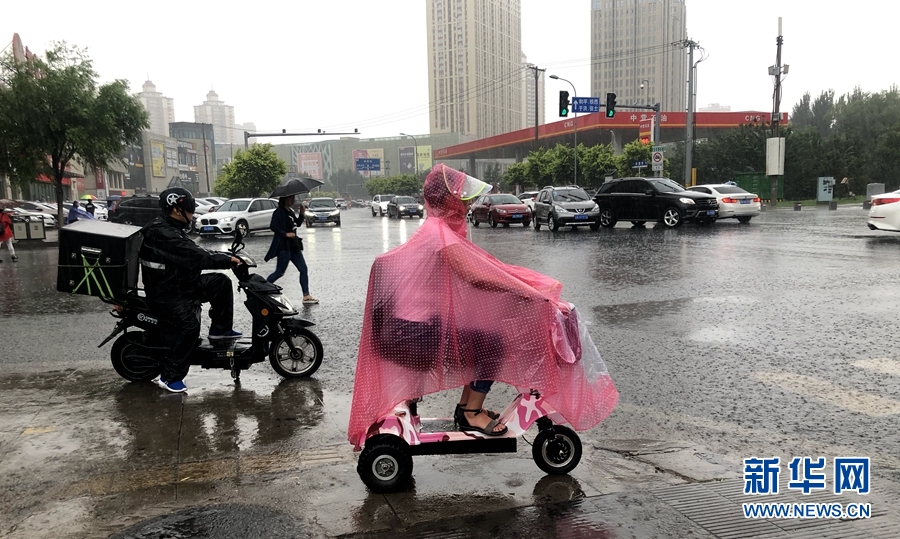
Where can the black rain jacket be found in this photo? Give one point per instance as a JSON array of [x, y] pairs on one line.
[[171, 262]]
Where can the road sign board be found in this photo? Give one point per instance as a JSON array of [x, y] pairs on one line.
[[660, 149], [657, 168], [368, 163], [657, 158], [585, 104], [639, 164]]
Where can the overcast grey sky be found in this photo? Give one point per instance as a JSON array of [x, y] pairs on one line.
[[340, 64]]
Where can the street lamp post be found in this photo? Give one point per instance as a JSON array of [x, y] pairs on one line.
[[574, 94], [415, 152], [648, 89]]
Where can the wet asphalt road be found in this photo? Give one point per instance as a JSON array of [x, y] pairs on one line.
[[769, 339]]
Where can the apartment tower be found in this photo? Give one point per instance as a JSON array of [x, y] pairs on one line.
[[631, 45], [221, 116], [475, 66], [160, 108]]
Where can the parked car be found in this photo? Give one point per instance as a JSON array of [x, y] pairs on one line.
[[400, 207], [322, 211], [885, 212], [734, 202], [137, 210], [565, 206], [204, 206], [528, 198], [247, 214], [26, 215], [215, 201], [379, 204], [653, 199], [340, 203], [503, 209]]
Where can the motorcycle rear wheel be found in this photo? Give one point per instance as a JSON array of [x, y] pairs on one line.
[[309, 360], [133, 362]]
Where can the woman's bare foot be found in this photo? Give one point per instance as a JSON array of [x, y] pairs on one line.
[[481, 420]]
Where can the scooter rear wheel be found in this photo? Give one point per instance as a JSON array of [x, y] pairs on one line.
[[385, 464], [132, 361], [557, 450], [304, 364]]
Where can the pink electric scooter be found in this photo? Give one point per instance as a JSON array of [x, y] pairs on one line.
[[386, 464]]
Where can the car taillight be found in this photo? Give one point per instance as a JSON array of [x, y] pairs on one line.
[[727, 200], [756, 199], [880, 201]]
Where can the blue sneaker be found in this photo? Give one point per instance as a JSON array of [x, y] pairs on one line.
[[221, 334], [175, 387]]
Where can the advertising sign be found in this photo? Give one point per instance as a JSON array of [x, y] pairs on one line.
[[310, 163], [407, 160], [423, 154], [158, 158], [134, 160]]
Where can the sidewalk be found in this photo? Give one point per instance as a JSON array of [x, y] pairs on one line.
[[52, 240]]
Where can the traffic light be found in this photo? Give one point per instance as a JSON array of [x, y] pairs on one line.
[[610, 105], [563, 103]]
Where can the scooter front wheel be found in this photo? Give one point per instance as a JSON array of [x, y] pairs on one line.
[[385, 464], [132, 361], [557, 450], [301, 364]]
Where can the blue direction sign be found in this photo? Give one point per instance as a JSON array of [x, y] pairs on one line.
[[639, 164], [368, 163], [585, 104]]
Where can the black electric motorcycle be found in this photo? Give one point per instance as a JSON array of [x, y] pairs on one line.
[[278, 333]]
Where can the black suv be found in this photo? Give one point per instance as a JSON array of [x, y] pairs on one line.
[[565, 206], [137, 210], [653, 199]]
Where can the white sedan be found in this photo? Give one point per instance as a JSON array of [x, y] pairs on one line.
[[885, 212], [734, 202]]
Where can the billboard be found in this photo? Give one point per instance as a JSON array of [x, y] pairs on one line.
[[158, 158], [171, 154], [134, 161], [423, 154], [310, 164], [407, 160]]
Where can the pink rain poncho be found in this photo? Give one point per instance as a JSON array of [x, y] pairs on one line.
[[442, 312]]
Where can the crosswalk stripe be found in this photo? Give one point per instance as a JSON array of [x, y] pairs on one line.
[[836, 395], [880, 364]]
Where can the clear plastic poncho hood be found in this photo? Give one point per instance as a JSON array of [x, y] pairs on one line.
[[442, 312]]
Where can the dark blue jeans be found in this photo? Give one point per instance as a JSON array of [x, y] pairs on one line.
[[296, 257], [481, 386]]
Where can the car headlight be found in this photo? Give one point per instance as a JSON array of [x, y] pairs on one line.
[[335, 212], [560, 209], [420, 207], [226, 219], [500, 211], [686, 200], [401, 208], [596, 207]]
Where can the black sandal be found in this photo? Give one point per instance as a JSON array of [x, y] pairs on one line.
[[488, 430], [458, 414]]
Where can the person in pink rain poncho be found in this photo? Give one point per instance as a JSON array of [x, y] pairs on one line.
[[443, 313]]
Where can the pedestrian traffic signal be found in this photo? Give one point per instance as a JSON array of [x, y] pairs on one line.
[[610, 105], [563, 103]]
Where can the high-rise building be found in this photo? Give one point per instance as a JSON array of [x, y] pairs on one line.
[[715, 107], [160, 108], [533, 96], [220, 115], [631, 45], [475, 66]]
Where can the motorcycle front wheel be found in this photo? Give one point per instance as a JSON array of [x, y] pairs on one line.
[[132, 361], [302, 364]]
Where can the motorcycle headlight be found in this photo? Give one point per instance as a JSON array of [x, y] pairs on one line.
[[284, 303], [686, 200]]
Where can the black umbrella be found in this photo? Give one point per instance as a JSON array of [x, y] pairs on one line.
[[295, 186]]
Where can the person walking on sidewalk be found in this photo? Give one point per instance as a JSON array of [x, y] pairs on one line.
[[6, 235], [287, 247]]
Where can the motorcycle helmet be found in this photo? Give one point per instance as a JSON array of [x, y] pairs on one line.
[[177, 197]]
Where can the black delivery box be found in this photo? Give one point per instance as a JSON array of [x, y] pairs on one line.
[[98, 258]]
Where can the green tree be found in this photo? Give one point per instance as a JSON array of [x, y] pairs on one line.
[[633, 151], [253, 172], [401, 184], [52, 112]]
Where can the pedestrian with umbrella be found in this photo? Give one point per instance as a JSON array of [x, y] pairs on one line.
[[6, 234], [286, 246]]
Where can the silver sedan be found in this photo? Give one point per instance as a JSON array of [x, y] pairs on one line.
[[734, 202]]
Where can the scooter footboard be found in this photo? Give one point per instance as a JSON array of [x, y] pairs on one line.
[[462, 447]]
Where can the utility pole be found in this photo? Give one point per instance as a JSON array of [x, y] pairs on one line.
[[536, 99], [689, 128], [205, 158], [776, 115]]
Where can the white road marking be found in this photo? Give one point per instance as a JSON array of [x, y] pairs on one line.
[[840, 396], [880, 364]]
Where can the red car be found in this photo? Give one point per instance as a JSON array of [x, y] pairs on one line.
[[504, 209]]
